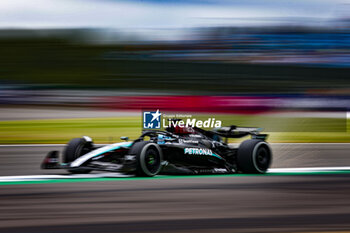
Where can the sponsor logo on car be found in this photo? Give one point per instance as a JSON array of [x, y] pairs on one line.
[[198, 151], [188, 141]]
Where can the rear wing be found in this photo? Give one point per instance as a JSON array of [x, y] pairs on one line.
[[239, 132]]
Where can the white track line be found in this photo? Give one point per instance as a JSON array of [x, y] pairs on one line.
[[307, 169], [119, 175], [39, 145], [31, 145], [54, 177], [273, 143]]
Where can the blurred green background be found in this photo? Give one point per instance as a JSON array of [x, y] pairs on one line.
[[107, 130]]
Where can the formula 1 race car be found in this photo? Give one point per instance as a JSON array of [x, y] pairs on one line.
[[177, 150]]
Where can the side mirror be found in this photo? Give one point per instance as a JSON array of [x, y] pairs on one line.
[[124, 138]]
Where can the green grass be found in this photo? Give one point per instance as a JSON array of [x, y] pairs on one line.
[[102, 130], [106, 130]]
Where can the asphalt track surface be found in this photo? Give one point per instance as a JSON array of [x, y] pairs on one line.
[[283, 203]]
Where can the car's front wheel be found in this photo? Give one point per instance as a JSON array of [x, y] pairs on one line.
[[74, 149]]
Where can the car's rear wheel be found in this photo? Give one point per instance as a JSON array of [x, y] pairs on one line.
[[254, 156], [74, 149], [149, 158]]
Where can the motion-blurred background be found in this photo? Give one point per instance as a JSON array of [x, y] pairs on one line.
[[71, 67]]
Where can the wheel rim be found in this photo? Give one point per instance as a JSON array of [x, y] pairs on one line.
[[152, 160], [262, 159]]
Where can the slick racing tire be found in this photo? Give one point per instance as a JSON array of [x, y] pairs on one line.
[[254, 156], [74, 149], [149, 158]]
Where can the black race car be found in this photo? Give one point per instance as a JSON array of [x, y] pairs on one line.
[[177, 150]]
